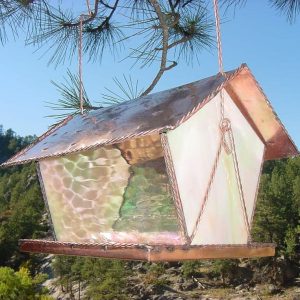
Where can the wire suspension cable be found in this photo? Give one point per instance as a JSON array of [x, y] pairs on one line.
[[218, 32], [227, 137], [88, 6], [226, 142], [80, 54], [80, 65]]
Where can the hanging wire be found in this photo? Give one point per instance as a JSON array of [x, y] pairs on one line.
[[224, 122], [88, 7], [227, 138], [82, 16], [218, 31], [80, 65], [226, 142]]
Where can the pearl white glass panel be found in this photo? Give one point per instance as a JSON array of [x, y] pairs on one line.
[[193, 147], [222, 221], [250, 151]]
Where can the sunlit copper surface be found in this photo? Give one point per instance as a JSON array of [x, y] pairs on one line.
[[253, 103]]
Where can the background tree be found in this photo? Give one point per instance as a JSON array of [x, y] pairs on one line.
[[21, 205], [21, 285], [277, 216], [99, 278]]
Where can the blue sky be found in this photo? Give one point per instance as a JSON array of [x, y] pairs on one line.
[[256, 34]]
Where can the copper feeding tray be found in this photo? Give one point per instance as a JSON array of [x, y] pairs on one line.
[[147, 253]]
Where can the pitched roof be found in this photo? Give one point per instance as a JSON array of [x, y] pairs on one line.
[[159, 112]]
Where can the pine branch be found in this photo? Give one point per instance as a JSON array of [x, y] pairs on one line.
[[69, 103], [60, 30], [291, 8], [89, 19], [128, 90], [192, 34], [165, 38], [19, 15]]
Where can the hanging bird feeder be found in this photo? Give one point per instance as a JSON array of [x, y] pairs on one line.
[[167, 176]]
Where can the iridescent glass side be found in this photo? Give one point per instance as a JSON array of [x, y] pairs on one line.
[[118, 193]]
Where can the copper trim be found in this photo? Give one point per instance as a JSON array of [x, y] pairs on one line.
[[273, 111], [239, 183], [175, 190], [43, 190], [95, 146], [256, 194], [148, 253], [39, 139]]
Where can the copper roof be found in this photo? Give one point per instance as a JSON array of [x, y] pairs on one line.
[[160, 112]]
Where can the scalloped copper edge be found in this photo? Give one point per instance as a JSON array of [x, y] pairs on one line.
[[147, 252]]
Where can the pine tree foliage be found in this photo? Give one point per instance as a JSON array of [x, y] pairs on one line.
[[21, 205], [21, 285], [101, 279], [277, 215], [289, 8], [55, 28]]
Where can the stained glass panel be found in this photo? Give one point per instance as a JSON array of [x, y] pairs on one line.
[[119, 193]]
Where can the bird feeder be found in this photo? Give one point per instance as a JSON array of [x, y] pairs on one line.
[[158, 177]]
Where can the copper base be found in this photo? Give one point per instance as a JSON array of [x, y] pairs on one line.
[[148, 253]]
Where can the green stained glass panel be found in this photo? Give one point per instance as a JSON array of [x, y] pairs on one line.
[[118, 193]]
